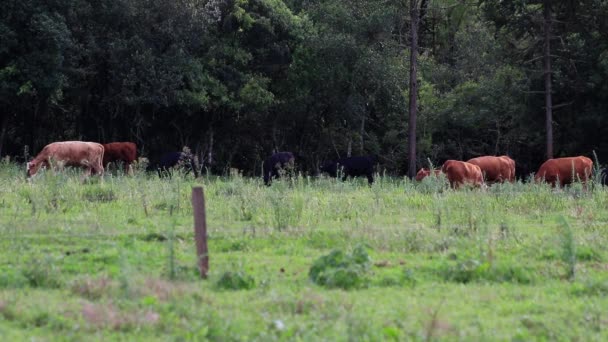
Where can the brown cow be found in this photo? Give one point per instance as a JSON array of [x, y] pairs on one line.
[[495, 169], [565, 170], [125, 152], [459, 173], [88, 155], [423, 173]]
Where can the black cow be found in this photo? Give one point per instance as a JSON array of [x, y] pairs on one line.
[[275, 163], [172, 159], [351, 167]]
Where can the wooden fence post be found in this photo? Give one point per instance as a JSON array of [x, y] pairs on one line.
[[200, 230]]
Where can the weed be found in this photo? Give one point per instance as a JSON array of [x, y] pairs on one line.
[[235, 280], [43, 272], [98, 193], [91, 288], [568, 246], [342, 270], [287, 209], [591, 288], [473, 270]]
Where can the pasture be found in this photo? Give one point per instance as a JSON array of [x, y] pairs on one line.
[[116, 260]]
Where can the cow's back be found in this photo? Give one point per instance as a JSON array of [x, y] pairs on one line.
[[459, 172], [566, 170], [123, 151], [511, 167], [357, 165], [496, 169], [274, 162], [74, 151]]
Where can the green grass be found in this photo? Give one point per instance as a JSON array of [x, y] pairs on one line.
[[115, 259]]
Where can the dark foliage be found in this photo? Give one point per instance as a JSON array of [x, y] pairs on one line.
[[237, 80]]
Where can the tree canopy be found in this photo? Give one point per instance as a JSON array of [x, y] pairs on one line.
[[238, 79]]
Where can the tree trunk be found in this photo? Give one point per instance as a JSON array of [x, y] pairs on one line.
[[413, 88], [349, 148], [3, 131], [361, 136], [210, 152], [547, 73]]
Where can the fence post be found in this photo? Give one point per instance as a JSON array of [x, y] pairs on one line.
[[200, 230]]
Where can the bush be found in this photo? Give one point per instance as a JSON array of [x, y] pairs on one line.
[[342, 270], [591, 288], [473, 270], [287, 209], [12, 278], [43, 273], [99, 194], [238, 280]]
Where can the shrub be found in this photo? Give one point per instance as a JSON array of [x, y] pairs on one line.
[[591, 288], [473, 270], [235, 280], [342, 270], [12, 278], [42, 273], [287, 209], [568, 248], [99, 194]]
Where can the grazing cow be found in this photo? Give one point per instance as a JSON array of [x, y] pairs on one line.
[[275, 163], [565, 170], [495, 169], [351, 167], [423, 173], [88, 155], [459, 173], [170, 160], [125, 152]]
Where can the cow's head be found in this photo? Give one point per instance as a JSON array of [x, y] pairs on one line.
[[422, 173], [330, 167], [32, 168]]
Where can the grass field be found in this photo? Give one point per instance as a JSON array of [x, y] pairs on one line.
[[115, 260]]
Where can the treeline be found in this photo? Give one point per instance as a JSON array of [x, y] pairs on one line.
[[236, 80]]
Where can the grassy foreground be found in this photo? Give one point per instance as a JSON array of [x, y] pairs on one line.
[[116, 260]]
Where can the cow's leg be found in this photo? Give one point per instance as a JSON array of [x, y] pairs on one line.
[[370, 179], [86, 173], [275, 174], [97, 168]]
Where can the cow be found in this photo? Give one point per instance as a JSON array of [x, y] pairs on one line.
[[183, 160], [423, 173], [460, 173], [495, 169], [565, 170], [351, 167], [125, 152], [274, 164], [88, 155]]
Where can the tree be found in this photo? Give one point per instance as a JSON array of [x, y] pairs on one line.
[[413, 91], [547, 75]]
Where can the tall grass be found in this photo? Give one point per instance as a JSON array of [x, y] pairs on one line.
[[71, 241]]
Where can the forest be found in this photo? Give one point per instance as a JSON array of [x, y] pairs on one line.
[[236, 80]]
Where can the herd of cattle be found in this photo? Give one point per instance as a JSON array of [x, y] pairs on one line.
[[94, 157]]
